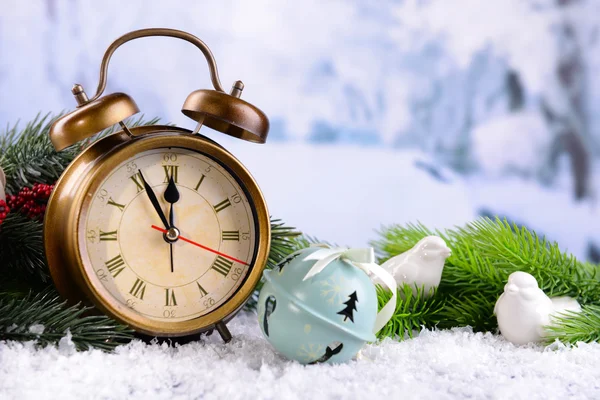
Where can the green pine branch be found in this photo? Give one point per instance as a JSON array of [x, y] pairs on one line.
[[588, 270], [510, 248], [576, 327], [283, 242], [22, 250], [413, 312], [467, 273], [475, 310], [27, 155], [46, 319]]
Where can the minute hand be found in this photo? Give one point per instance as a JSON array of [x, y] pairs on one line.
[[202, 246], [154, 201]]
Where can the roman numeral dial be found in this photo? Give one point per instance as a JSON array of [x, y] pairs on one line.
[[115, 265], [222, 205], [108, 236], [230, 235], [139, 183], [138, 289], [124, 235], [203, 291], [111, 202], [199, 182], [171, 171], [222, 265], [170, 299]]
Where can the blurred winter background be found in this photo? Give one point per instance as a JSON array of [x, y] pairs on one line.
[[382, 112]]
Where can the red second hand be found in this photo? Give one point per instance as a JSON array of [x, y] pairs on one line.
[[201, 246]]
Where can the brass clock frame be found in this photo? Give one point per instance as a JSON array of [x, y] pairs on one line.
[[68, 207]]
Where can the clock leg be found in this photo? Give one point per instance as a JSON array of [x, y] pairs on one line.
[[223, 331]]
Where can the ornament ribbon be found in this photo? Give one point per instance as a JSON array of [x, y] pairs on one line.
[[363, 259]]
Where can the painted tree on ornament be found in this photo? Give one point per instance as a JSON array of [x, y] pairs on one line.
[[348, 311]]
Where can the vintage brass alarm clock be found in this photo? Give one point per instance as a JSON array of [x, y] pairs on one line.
[[158, 226]]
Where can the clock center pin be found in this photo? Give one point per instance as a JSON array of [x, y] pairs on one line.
[[172, 234]]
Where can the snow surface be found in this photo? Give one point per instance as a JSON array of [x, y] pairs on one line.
[[435, 365]]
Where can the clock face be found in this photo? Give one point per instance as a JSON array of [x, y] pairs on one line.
[[179, 266]]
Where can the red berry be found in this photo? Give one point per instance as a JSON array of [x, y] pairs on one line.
[[31, 201], [4, 210]]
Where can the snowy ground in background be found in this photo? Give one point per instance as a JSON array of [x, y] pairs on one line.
[[343, 194], [438, 365]]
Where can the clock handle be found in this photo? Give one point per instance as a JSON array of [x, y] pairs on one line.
[[224, 112], [212, 64]]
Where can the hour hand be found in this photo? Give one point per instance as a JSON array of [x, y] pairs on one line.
[[171, 196], [154, 201]]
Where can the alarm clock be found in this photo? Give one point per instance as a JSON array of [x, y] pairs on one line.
[[158, 226]]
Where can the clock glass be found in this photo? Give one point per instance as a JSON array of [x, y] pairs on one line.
[[169, 234]]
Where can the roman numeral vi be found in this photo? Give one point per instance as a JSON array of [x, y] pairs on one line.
[[170, 297]]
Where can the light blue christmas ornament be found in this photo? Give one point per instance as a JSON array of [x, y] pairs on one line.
[[320, 305]]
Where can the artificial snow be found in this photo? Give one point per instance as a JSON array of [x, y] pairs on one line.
[[440, 365], [66, 347], [38, 329]]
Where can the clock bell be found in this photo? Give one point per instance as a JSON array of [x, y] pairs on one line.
[[217, 109]]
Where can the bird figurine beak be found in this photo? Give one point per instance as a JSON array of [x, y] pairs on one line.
[[511, 288]]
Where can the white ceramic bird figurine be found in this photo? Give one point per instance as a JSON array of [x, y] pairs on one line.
[[420, 266], [2, 185], [563, 304], [523, 310]]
